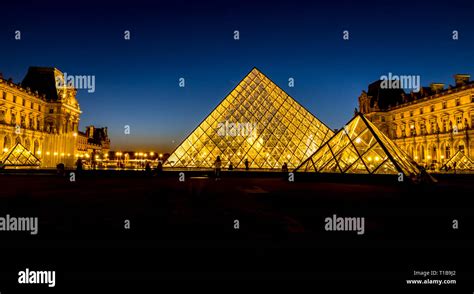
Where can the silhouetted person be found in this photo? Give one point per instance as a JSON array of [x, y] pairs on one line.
[[79, 165], [231, 167], [217, 167], [284, 167], [246, 164], [159, 167], [147, 168], [60, 169]]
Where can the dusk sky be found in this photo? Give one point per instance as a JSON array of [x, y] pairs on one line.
[[137, 79]]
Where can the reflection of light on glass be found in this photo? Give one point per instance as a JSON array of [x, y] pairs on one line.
[[377, 158], [370, 158], [358, 140]]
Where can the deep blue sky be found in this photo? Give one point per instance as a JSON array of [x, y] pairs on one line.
[[137, 80]]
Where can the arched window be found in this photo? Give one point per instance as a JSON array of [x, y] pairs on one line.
[[6, 143], [36, 147]]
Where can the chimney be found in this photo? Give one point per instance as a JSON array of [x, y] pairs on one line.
[[436, 87], [90, 132], [461, 79]]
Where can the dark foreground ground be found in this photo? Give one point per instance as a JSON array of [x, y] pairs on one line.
[[186, 230]]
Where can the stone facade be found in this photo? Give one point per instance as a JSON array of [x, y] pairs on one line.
[[430, 125], [42, 117]]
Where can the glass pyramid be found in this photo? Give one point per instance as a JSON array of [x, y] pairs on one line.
[[18, 155], [257, 122], [461, 161], [360, 148]]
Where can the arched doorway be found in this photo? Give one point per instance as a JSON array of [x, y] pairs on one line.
[[6, 143]]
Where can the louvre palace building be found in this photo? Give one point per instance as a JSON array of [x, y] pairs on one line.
[[431, 125], [42, 119]]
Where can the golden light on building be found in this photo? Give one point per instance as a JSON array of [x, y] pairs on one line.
[[429, 125], [257, 122], [376, 154]]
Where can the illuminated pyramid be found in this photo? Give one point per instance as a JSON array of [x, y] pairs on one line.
[[18, 155], [461, 161], [360, 148], [257, 122]]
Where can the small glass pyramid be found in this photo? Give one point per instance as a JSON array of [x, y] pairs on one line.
[[360, 148], [460, 161], [18, 155], [258, 123]]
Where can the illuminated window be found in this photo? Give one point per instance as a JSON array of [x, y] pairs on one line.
[[445, 124], [14, 99], [423, 128], [432, 108], [4, 95], [458, 102], [433, 126], [412, 130], [411, 113], [445, 105], [421, 110]]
